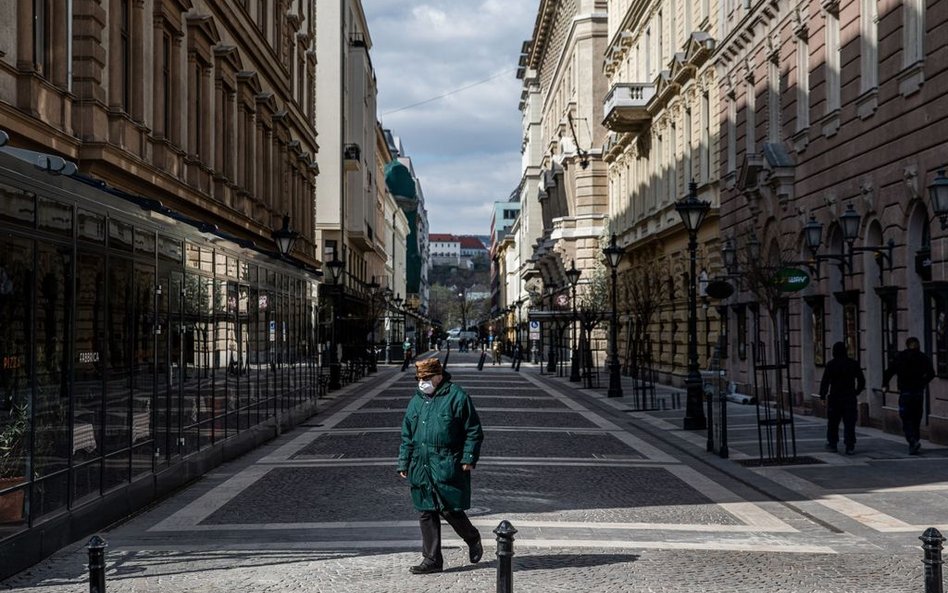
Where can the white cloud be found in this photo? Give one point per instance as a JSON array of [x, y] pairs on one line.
[[465, 147]]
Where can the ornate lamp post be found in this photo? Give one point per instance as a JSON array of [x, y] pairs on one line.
[[386, 301], [551, 357], [335, 271], [285, 237], [572, 276], [938, 193], [373, 296], [692, 212], [614, 256]]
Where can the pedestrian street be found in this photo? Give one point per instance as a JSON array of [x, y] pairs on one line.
[[603, 500]]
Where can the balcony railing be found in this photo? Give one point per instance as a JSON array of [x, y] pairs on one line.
[[624, 109]]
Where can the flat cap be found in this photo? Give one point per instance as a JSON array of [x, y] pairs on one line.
[[428, 367]]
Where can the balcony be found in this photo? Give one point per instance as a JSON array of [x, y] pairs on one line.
[[624, 109]]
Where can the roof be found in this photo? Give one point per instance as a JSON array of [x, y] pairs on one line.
[[471, 242], [442, 238]]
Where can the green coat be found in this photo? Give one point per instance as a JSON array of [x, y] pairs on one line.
[[439, 433]]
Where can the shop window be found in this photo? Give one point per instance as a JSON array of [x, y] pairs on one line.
[[89, 366], [16, 298], [91, 226], [143, 364], [55, 217], [52, 392], [818, 329], [120, 235], [17, 206], [117, 398]]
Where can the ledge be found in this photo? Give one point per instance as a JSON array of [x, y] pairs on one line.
[[867, 103], [911, 78], [830, 123]]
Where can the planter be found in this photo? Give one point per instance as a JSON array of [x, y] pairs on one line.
[[11, 503]]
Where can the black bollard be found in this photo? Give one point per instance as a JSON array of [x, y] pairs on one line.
[[96, 547], [505, 538], [932, 541], [480, 363]]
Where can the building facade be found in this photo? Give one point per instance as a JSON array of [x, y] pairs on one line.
[[149, 326], [564, 173], [661, 112], [835, 112]]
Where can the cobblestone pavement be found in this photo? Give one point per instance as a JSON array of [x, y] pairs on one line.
[[605, 499]]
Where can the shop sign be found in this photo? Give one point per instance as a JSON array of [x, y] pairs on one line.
[[719, 289], [791, 279]]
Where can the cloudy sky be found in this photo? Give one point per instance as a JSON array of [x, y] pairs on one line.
[[466, 146]]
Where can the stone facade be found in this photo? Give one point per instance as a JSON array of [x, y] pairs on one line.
[[831, 106], [205, 106], [563, 193], [661, 109]]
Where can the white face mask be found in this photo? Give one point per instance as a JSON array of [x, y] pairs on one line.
[[426, 387]]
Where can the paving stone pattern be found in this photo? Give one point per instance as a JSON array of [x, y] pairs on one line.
[[546, 419], [327, 483], [546, 570], [592, 494]]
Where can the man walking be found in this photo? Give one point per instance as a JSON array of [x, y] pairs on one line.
[[441, 442], [844, 381], [915, 372]]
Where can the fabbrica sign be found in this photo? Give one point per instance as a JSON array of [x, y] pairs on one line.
[[791, 279]]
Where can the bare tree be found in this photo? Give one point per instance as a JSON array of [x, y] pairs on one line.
[[760, 277]]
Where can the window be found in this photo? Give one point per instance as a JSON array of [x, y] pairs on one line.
[[42, 29], [731, 133], [869, 23], [750, 117], [125, 54], [198, 117], [913, 32], [832, 62], [803, 84], [705, 147], [166, 86], [686, 148], [773, 102]]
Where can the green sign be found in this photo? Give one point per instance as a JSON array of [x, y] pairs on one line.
[[791, 279]]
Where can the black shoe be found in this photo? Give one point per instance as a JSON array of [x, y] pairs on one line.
[[850, 450], [425, 568], [915, 447], [476, 550], [831, 448]]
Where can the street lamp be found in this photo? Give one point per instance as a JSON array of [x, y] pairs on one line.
[[938, 193], [335, 271], [613, 255], [692, 212], [849, 222], [386, 300], [373, 296], [285, 237], [572, 276], [551, 357], [462, 297]]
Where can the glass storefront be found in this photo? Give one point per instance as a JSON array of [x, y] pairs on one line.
[[126, 346]]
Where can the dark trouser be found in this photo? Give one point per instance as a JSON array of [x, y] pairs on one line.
[[846, 411], [911, 409], [430, 522]]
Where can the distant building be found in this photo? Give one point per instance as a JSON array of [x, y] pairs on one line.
[[445, 249]]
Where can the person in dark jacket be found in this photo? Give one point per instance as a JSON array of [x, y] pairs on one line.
[[441, 442], [915, 372], [844, 381]]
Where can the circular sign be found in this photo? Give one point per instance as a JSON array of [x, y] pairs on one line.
[[719, 289], [791, 279], [534, 325], [562, 300]]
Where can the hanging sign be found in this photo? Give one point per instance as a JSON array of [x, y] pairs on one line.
[[791, 279], [719, 289]]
